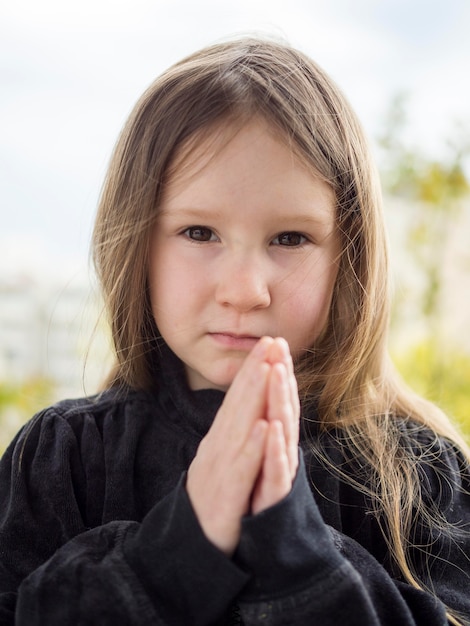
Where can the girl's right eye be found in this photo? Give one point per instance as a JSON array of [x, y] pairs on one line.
[[200, 233]]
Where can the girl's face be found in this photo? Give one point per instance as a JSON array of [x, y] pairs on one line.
[[245, 245]]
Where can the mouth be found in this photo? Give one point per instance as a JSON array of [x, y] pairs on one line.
[[235, 341]]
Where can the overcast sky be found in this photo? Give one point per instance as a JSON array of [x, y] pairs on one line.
[[71, 72]]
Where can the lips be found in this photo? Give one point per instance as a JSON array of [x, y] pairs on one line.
[[235, 340]]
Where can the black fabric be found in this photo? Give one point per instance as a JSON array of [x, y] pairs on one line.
[[96, 528]]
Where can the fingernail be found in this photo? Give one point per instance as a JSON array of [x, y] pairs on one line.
[[261, 347], [282, 343]]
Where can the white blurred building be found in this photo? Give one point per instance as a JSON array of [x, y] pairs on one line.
[[455, 294], [52, 332]]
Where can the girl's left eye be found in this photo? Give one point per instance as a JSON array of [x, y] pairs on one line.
[[200, 233], [291, 239]]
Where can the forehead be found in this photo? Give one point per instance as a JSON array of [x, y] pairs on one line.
[[223, 141], [200, 148]]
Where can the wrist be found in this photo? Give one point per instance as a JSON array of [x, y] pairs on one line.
[[288, 544]]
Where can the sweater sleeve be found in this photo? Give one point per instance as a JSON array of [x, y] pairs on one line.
[[55, 571], [305, 572]]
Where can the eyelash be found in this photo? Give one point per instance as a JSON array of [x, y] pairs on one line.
[[303, 239], [189, 233]]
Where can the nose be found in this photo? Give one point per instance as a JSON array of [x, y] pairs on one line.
[[243, 284]]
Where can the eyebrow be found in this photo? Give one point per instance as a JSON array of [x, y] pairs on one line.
[[203, 214]]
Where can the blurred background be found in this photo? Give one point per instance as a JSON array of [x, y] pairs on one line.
[[70, 74]]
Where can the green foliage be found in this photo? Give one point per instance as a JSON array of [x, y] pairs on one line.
[[438, 183], [441, 374], [435, 190], [19, 402], [410, 173]]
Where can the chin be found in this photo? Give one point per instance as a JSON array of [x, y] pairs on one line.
[[220, 376], [223, 380], [221, 383]]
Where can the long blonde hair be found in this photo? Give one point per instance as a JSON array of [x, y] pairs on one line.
[[346, 374]]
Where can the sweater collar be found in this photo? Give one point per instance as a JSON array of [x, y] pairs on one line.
[[195, 409]]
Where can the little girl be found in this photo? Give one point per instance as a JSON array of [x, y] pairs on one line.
[[252, 458]]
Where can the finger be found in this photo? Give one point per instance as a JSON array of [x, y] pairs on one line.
[[245, 400], [276, 464], [248, 372], [275, 481], [294, 391], [282, 409], [279, 351], [293, 432], [245, 468]]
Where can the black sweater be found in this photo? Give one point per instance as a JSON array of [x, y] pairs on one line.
[[96, 528]]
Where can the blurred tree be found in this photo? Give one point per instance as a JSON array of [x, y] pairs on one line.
[[435, 190], [441, 376], [19, 402]]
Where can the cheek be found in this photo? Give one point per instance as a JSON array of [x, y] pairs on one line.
[[175, 290], [162, 283], [307, 306]]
